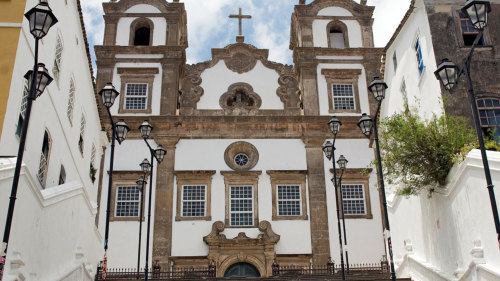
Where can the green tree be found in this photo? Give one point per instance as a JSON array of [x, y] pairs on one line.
[[420, 153]]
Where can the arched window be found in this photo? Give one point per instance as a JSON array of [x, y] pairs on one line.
[[44, 159], [242, 269], [141, 31], [337, 35]]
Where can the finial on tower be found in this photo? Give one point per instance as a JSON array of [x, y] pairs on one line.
[[302, 2], [363, 2], [240, 38]]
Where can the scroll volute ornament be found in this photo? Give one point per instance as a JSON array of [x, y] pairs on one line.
[[191, 89], [289, 91]]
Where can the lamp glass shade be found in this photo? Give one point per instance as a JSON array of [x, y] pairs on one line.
[[377, 87], [108, 95], [145, 166], [145, 129], [328, 149], [140, 183], [365, 124], [43, 79], [477, 12], [447, 73], [334, 125], [121, 130], [342, 162], [160, 153], [41, 19]]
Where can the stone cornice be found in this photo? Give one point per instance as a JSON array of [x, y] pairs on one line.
[[230, 127]]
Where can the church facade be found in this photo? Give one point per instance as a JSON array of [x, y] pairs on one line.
[[244, 180]]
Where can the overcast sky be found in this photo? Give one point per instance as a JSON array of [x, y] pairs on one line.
[[209, 25]]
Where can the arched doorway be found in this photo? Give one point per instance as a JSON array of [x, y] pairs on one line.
[[242, 269]]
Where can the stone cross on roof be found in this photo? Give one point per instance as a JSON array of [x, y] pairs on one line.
[[240, 38]]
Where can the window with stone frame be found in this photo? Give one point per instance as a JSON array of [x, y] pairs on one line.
[[469, 33], [44, 159], [288, 194], [241, 198], [343, 93], [193, 195], [125, 196], [71, 101], [418, 53], [22, 112], [82, 134], [136, 86], [56, 69], [489, 116], [354, 196], [128, 199]]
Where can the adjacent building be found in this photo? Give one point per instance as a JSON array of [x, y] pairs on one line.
[[54, 235]]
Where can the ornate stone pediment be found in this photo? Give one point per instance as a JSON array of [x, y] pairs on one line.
[[257, 251]]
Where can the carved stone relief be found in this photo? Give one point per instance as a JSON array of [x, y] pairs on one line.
[[240, 99], [241, 62], [191, 91], [289, 91]]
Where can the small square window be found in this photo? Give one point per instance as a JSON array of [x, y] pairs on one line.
[[136, 96], [343, 97], [193, 195], [289, 200], [353, 199]]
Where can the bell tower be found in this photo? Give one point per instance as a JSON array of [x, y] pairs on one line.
[[143, 53]]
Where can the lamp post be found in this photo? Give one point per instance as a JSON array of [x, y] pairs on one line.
[[342, 162], [141, 182], [377, 87], [41, 19], [119, 131], [329, 150], [449, 73], [158, 154]]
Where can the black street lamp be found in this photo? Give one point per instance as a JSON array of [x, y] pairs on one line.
[[329, 150], [342, 162], [449, 73], [367, 124], [119, 131], [141, 182], [41, 19], [158, 154]]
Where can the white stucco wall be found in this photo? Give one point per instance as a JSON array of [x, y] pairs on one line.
[[364, 236], [53, 231], [423, 91], [323, 87], [159, 29], [156, 91], [123, 235], [263, 80], [274, 154], [450, 236]]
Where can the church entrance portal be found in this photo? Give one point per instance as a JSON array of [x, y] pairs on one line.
[[242, 269]]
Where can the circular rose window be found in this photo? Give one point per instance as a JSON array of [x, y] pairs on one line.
[[241, 156], [241, 159]]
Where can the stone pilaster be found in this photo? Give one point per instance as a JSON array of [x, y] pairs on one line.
[[111, 23], [317, 201], [170, 86], [308, 77], [162, 235]]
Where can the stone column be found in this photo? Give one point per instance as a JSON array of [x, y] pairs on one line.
[[317, 201], [111, 23], [162, 235]]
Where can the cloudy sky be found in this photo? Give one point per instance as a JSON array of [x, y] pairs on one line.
[[209, 25]]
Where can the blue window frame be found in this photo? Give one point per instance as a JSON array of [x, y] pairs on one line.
[[420, 60]]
